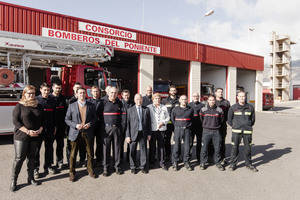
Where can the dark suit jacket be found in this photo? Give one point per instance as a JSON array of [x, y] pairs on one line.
[[73, 118], [133, 122]]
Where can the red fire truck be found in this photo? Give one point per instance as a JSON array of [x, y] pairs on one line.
[[28, 59]]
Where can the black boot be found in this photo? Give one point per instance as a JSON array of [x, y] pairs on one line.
[[32, 181]]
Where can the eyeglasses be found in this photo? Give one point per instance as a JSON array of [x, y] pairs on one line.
[[30, 93]]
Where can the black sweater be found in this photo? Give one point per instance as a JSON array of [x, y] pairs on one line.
[[196, 123], [182, 117], [29, 117], [211, 117], [60, 110], [112, 112]]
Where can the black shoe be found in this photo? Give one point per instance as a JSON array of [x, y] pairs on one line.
[[232, 167], [224, 162], [144, 171], [188, 167], [133, 171], [202, 166], [164, 168], [220, 167], [13, 186], [59, 166], [175, 166], [105, 173], [252, 168], [31, 181], [52, 170], [82, 163], [119, 171], [36, 174]]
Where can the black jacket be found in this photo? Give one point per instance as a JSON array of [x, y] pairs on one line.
[[147, 100], [211, 117], [196, 123], [170, 103], [60, 110], [112, 112], [126, 105], [97, 103], [182, 117], [241, 118], [48, 107], [225, 105], [133, 122]]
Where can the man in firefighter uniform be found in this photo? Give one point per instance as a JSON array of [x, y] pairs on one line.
[[241, 117], [212, 118], [112, 118], [181, 117], [96, 100], [196, 129], [60, 113], [47, 104], [170, 102], [225, 105]]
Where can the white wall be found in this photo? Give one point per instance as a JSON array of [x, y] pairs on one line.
[[195, 78], [247, 79], [231, 84], [146, 64]]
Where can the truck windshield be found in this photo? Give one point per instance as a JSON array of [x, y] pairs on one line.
[[94, 77]]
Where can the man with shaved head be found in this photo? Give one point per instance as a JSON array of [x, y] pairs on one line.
[[181, 117], [147, 99]]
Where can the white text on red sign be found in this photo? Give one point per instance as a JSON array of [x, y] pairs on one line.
[[77, 37], [104, 30]]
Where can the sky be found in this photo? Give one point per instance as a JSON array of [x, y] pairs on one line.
[[228, 27]]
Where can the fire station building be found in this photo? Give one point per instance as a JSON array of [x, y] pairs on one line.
[[141, 58]]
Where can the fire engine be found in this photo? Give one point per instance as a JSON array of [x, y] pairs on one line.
[[30, 59]]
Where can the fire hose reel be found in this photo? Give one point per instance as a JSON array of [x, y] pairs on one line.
[[6, 77]]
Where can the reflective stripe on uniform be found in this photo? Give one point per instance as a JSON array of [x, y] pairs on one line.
[[182, 119], [240, 131], [247, 113], [247, 132], [236, 131], [107, 113], [237, 113]]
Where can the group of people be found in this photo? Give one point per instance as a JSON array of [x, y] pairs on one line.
[[113, 122]]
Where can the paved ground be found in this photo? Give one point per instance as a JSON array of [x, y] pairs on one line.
[[275, 153]]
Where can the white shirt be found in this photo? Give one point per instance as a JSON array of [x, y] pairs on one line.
[[159, 115], [81, 104]]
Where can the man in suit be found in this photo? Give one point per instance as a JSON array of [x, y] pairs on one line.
[[80, 117], [138, 131]]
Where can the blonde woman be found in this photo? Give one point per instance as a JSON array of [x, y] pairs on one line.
[[28, 120], [159, 120]]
